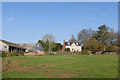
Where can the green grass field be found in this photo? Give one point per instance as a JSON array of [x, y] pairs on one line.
[[61, 66]]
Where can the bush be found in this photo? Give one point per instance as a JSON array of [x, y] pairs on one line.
[[111, 48], [4, 54], [93, 45], [85, 52], [67, 49], [9, 53], [14, 53], [21, 53], [116, 48], [56, 46]]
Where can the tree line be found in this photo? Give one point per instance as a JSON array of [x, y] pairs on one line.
[[104, 39]]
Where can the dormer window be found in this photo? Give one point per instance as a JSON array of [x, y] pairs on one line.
[[68, 43], [76, 43]]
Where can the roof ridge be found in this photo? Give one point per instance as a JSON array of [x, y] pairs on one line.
[[11, 44]]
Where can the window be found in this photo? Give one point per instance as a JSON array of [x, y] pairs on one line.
[[38, 45], [76, 43], [68, 43]]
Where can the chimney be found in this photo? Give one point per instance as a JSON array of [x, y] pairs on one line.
[[79, 41], [64, 41]]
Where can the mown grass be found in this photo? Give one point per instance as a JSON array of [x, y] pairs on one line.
[[62, 66]]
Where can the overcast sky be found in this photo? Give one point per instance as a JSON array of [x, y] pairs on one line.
[[28, 22]]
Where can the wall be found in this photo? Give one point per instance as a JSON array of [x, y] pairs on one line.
[[76, 48], [3, 46]]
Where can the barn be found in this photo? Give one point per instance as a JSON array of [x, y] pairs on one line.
[[9, 46], [32, 46]]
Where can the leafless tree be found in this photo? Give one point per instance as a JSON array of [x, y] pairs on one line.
[[85, 34], [73, 39], [50, 38]]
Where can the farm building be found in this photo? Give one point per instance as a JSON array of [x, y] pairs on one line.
[[32, 46], [8, 46], [73, 46]]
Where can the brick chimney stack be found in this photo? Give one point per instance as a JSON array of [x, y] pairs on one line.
[[64, 41], [63, 48]]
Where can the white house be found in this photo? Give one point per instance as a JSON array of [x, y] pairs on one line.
[[73, 46]]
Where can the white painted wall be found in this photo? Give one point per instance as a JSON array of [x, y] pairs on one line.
[[74, 47], [3, 46], [67, 47]]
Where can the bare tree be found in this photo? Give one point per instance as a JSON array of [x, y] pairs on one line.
[[85, 34], [113, 36], [73, 39], [50, 38]]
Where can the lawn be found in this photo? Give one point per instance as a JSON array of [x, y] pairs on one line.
[[61, 66]]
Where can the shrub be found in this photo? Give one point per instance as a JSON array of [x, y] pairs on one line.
[[93, 45], [85, 52], [111, 48], [9, 53], [14, 53], [80, 52], [116, 48], [67, 49], [56, 46], [4, 54], [21, 53]]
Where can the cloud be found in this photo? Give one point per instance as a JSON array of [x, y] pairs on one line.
[[10, 18]]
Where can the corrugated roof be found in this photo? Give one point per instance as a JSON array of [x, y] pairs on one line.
[[12, 44], [32, 46], [26, 45]]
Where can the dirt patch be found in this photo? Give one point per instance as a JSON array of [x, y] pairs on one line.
[[61, 73], [64, 76], [69, 57], [5, 64], [49, 72], [23, 68], [52, 64], [14, 66], [25, 60]]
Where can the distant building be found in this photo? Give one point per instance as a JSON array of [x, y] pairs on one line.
[[73, 46], [8, 46], [32, 46]]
